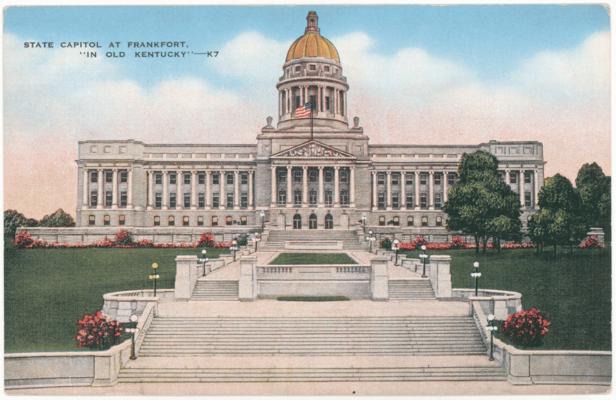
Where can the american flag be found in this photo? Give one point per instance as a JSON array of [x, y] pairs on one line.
[[303, 111]]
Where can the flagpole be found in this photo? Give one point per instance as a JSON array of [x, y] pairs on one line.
[[311, 122]]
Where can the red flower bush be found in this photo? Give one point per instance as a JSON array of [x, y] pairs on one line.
[[513, 246], [457, 242], [419, 241], [144, 243], [526, 327], [222, 245], [123, 238], [207, 239], [104, 243], [590, 242], [23, 240], [97, 331]]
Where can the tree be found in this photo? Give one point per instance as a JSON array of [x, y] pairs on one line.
[[482, 204], [594, 188], [58, 218], [13, 219]]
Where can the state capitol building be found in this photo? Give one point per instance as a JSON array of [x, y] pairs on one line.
[[296, 176]]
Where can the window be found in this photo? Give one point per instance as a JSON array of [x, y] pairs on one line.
[[410, 221], [216, 179], [380, 178], [297, 175], [229, 200], [158, 179], [173, 178], [244, 200], [326, 68], [313, 175], [244, 179], [156, 220], [409, 201], [423, 178], [395, 200], [313, 197], [229, 220], [527, 199], [108, 176], [381, 200], [395, 221], [94, 177], [91, 220], [451, 179], [216, 200], [185, 178], [122, 220], [282, 197], [201, 179], [344, 197], [527, 177], [439, 221], [108, 199], [185, 220], [437, 179], [229, 179], [329, 198], [382, 220], [123, 199], [200, 220], [327, 103], [344, 175], [409, 179], [201, 197], [423, 200], [243, 220], [312, 67], [106, 220], [214, 220], [438, 200], [172, 200], [424, 221], [297, 197], [158, 200], [395, 179], [298, 68], [329, 175], [93, 198], [123, 176], [282, 175], [171, 220], [513, 177], [297, 99], [186, 199]]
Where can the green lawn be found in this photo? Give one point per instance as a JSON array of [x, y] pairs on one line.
[[47, 290], [574, 291], [312, 258]]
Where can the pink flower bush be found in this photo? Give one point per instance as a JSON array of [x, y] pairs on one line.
[[590, 242], [97, 331], [526, 327]]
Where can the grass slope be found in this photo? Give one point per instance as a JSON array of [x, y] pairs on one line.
[[47, 290]]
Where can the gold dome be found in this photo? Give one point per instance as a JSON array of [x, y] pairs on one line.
[[312, 44]]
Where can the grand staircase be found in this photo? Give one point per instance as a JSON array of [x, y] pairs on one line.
[[410, 289], [276, 238], [215, 290]]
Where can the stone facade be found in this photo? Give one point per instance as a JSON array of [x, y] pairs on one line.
[[314, 172]]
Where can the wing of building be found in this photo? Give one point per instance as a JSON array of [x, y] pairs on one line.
[[315, 171]]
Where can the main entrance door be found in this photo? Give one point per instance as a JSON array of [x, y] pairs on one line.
[[297, 221], [312, 221]]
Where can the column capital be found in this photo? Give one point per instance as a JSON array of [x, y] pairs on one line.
[[321, 167], [431, 172], [388, 172], [373, 172], [305, 167]]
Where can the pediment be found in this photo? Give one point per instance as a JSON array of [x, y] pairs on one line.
[[313, 149]]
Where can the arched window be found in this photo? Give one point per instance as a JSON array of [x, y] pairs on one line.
[[106, 220], [229, 220], [424, 221], [171, 220], [297, 221], [91, 220], [156, 220], [329, 221], [312, 221], [185, 220], [396, 221]]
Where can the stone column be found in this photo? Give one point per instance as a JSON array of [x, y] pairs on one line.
[[305, 186], [445, 187], [129, 188], [388, 190], [289, 185], [431, 190], [352, 186], [374, 190], [250, 189], [223, 190], [150, 189], [100, 189], [379, 278], [236, 190], [336, 186], [402, 189], [165, 190], [208, 190], [321, 188], [507, 177], [193, 190], [179, 190], [85, 201], [521, 183], [274, 194], [114, 189], [417, 174], [536, 187]]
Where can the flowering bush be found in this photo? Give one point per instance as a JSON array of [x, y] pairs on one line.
[[457, 242], [145, 243], [222, 245], [207, 239], [590, 242], [123, 238], [407, 246], [105, 243], [512, 245], [526, 327], [23, 240], [419, 241], [97, 331]]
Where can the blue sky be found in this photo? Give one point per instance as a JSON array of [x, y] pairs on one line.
[[491, 40]]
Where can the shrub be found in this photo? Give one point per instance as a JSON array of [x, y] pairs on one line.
[[590, 242], [242, 240], [123, 238], [23, 240], [206, 239], [386, 243], [97, 331], [526, 327], [104, 243], [419, 241], [145, 243], [457, 242]]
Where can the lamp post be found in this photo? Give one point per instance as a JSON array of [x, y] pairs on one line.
[[132, 331], [257, 240], [424, 257], [371, 239], [262, 215], [363, 222], [154, 276], [395, 245], [234, 248], [492, 327], [204, 259], [476, 274]]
